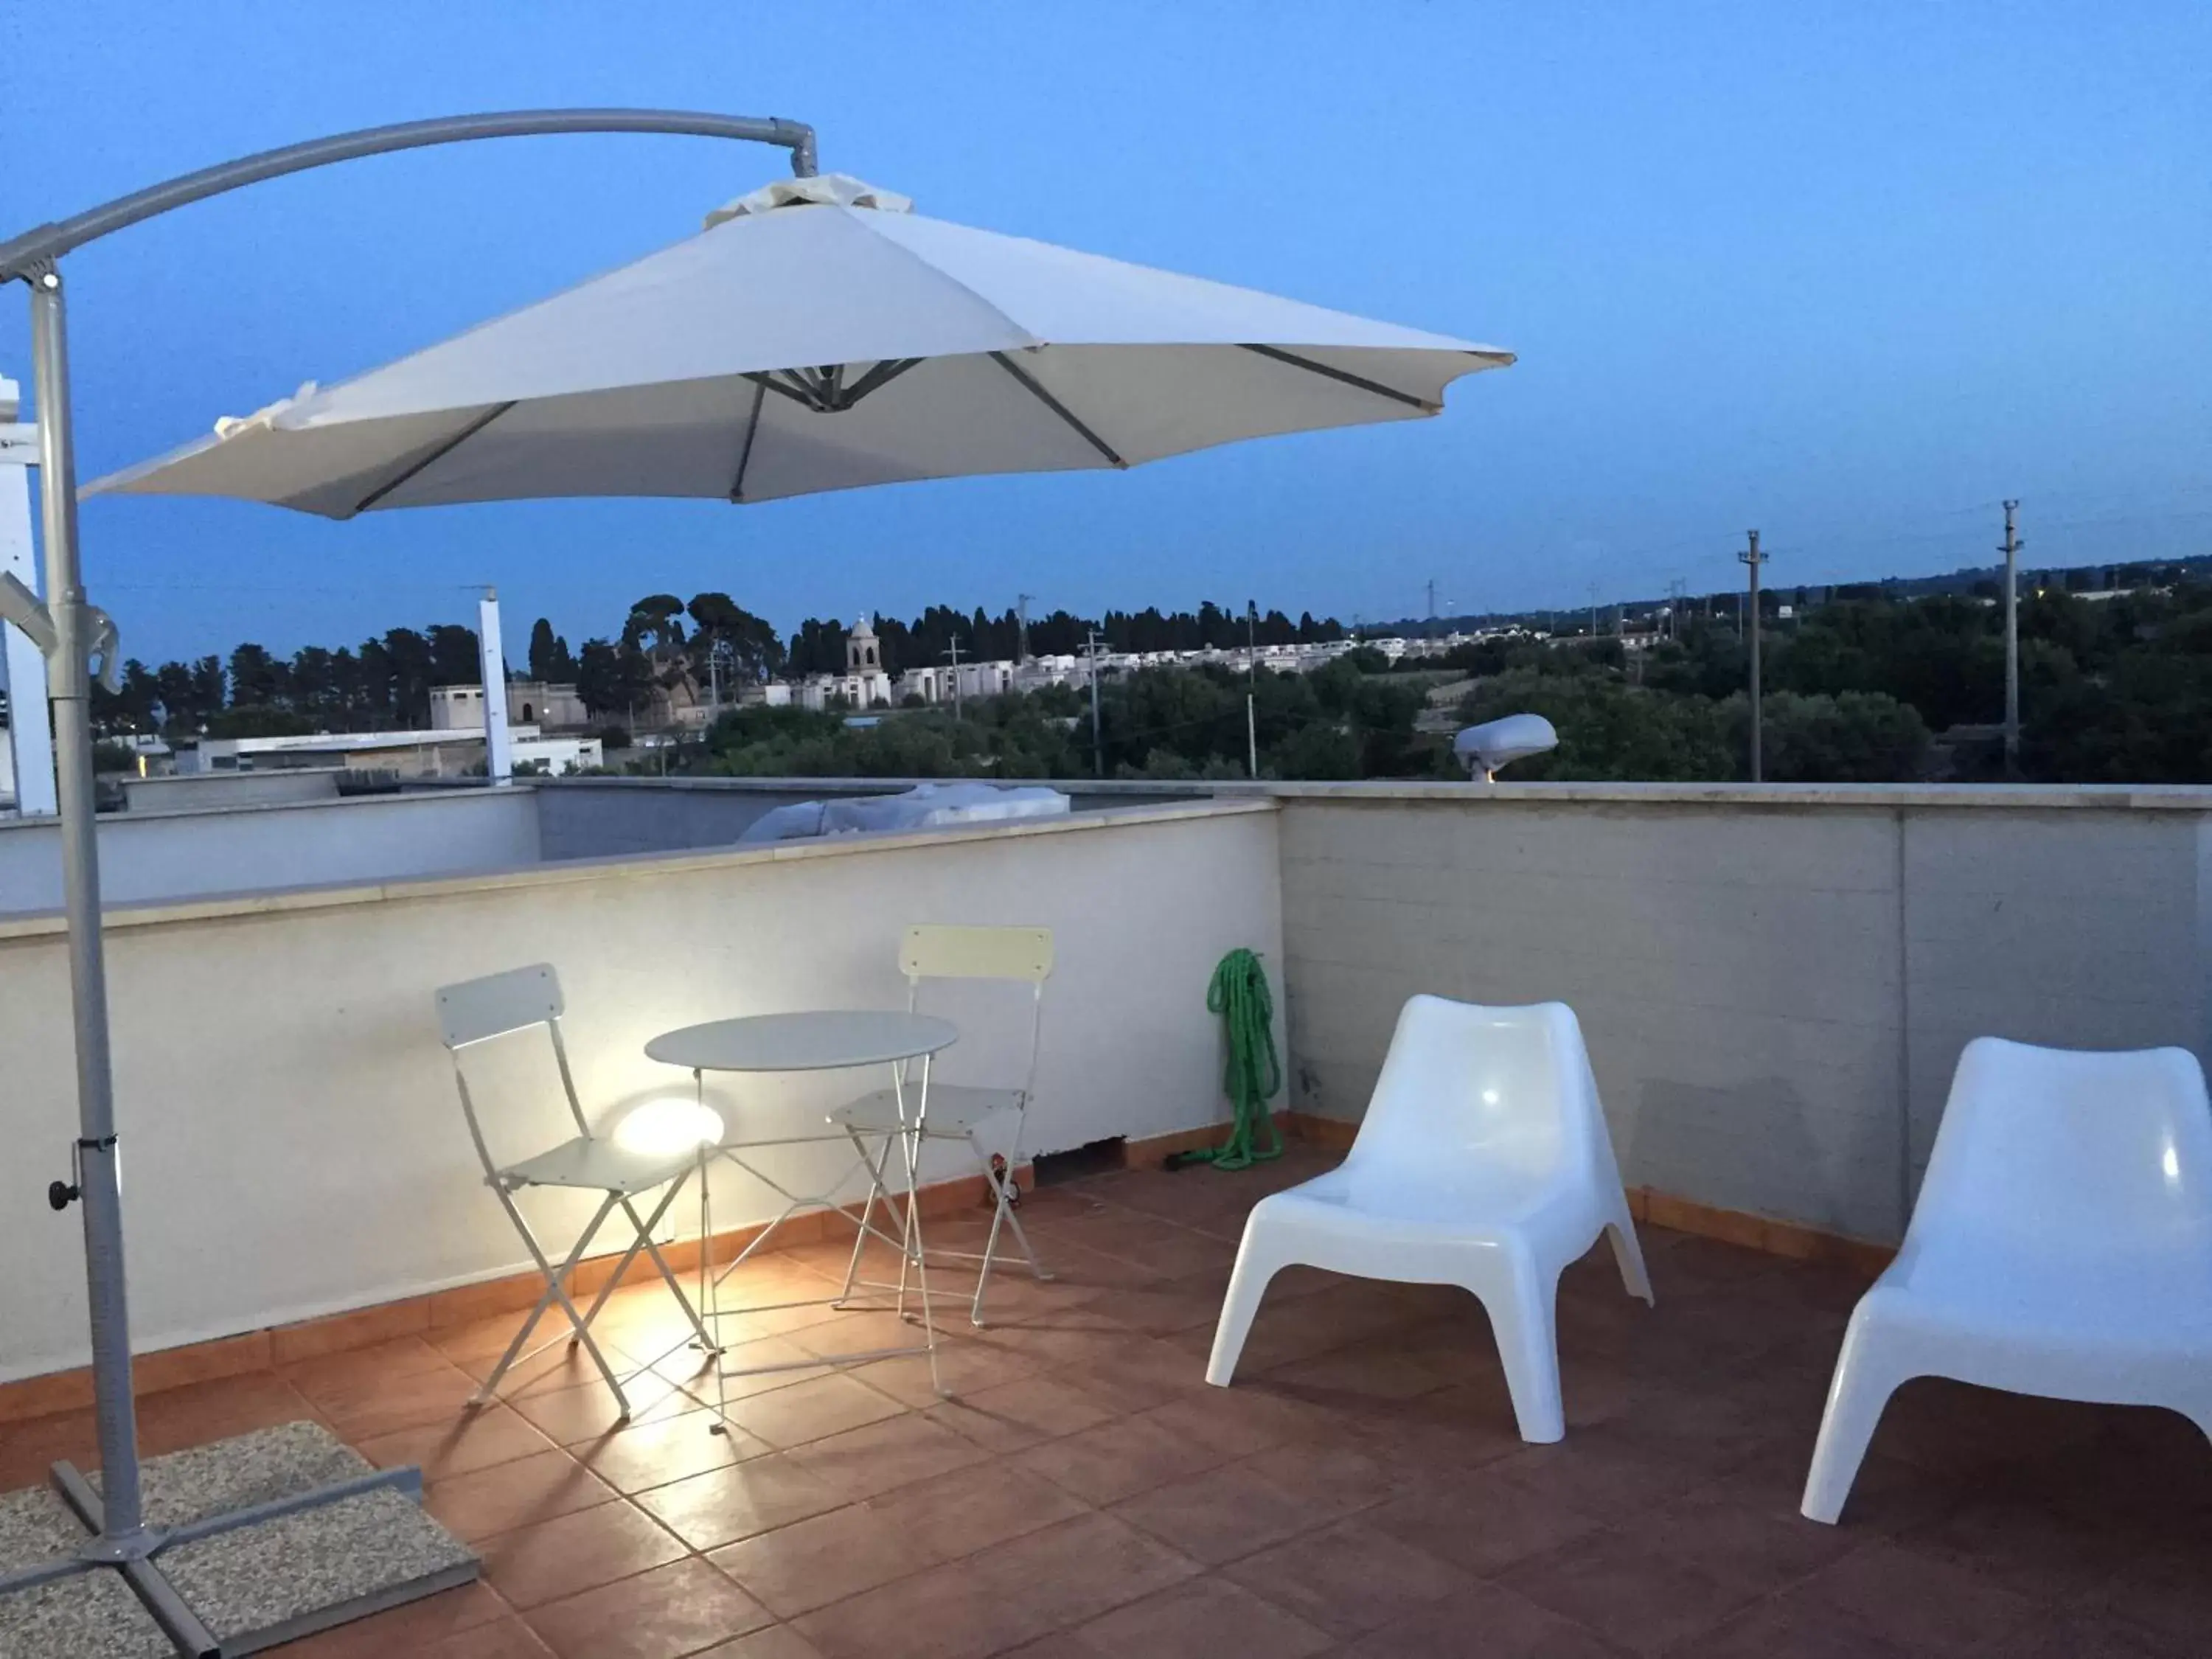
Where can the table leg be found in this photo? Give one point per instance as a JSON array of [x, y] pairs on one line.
[[910, 1134]]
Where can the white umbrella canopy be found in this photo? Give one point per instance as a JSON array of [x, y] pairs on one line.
[[819, 335]]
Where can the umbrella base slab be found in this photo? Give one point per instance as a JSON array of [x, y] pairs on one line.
[[304, 1556]]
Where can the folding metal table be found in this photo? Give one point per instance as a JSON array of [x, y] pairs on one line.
[[841, 1040]]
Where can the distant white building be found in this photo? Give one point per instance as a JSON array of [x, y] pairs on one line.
[[529, 702], [448, 753]]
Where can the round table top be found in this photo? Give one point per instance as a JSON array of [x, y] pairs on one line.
[[822, 1041]]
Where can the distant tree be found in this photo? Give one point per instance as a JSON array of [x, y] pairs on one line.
[[754, 651], [550, 660], [256, 678]]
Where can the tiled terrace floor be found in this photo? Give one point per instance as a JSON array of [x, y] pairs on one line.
[[1360, 1493]]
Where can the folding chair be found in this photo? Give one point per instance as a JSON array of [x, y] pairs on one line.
[[990, 1119], [501, 1005]]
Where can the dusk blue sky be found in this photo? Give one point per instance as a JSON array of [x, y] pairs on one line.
[[1847, 273]]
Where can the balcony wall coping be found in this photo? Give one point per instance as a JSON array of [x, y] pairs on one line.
[[41, 924], [2036, 797]]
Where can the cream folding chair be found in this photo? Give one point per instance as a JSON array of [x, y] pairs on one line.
[[990, 1119], [502, 1005]]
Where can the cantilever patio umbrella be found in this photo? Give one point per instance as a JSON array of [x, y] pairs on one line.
[[820, 334], [817, 335]]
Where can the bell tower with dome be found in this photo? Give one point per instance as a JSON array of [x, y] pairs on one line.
[[862, 653]]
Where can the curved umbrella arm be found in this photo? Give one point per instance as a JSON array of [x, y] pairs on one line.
[[23, 256]]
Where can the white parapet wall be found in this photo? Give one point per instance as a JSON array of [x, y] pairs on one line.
[[1774, 983], [292, 1144], [146, 857]]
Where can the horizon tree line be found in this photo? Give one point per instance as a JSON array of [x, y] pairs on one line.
[[385, 682]]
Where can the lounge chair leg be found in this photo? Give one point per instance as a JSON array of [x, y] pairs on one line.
[[1248, 1285], [1860, 1389], [1628, 1256], [1523, 1320]]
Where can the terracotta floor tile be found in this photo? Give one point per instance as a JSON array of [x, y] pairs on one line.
[[1611, 1470], [1013, 1416], [1486, 1522], [353, 1371], [1930, 1607], [1074, 1572], [1204, 1619], [1482, 1622], [175, 1418], [542, 1563], [546, 1483], [390, 1401], [637, 1456], [506, 1638], [1248, 1418], [659, 1615], [1221, 1514], [473, 1440], [776, 1642], [1329, 1478], [415, 1627], [1788, 1627], [725, 1504], [759, 1366], [896, 1452], [2168, 1590], [962, 1368], [970, 1510], [797, 1569], [811, 1411], [586, 1412], [942, 1614], [2030, 1549], [1165, 1308], [1117, 1459], [1348, 1580], [1622, 1585]]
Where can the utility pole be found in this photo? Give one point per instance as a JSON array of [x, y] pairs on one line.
[[1753, 558], [1432, 598], [2011, 550], [1675, 589], [1097, 746], [1252, 680], [953, 652], [1022, 606], [1593, 608]]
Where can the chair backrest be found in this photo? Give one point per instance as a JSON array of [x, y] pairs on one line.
[[945, 953], [1020, 954], [1509, 1087], [2071, 1150], [478, 1009]]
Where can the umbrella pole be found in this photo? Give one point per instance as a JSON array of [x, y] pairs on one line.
[[97, 1176]]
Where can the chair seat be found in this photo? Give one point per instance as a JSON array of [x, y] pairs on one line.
[[599, 1165], [1472, 1204], [955, 1108]]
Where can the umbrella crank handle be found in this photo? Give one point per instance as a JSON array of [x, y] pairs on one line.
[[60, 1195]]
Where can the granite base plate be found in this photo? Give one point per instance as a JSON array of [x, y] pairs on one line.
[[252, 1587]]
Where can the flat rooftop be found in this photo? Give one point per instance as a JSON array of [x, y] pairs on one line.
[[1359, 1491]]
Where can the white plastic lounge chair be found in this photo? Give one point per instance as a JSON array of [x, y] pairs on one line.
[[2062, 1246], [1484, 1161]]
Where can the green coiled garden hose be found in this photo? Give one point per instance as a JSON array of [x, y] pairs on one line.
[[1253, 1076]]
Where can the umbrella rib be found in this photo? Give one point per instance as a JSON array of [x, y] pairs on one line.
[[882, 374], [437, 454], [752, 431], [1058, 409], [773, 385], [1347, 377]]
